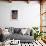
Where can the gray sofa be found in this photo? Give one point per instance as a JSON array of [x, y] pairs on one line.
[[17, 35]]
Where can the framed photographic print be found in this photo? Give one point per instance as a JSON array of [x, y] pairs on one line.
[[14, 14]]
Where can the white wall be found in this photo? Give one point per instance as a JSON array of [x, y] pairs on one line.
[[28, 14]]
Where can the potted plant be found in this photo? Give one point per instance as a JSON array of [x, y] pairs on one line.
[[37, 33]]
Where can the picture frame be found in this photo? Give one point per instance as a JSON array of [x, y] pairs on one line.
[[14, 14]]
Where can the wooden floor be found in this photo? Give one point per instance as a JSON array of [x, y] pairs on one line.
[[35, 43]]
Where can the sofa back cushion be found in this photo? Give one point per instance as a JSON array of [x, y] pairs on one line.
[[11, 30], [17, 30]]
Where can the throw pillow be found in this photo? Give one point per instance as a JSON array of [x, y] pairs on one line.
[[17, 30], [23, 31]]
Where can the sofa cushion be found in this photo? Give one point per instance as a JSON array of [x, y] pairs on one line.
[[23, 31], [17, 30], [11, 30]]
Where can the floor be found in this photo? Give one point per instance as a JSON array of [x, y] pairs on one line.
[[35, 43]]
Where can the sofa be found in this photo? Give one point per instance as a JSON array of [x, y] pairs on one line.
[[17, 34]]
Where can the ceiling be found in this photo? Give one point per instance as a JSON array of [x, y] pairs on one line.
[[20, 0], [24, 0]]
